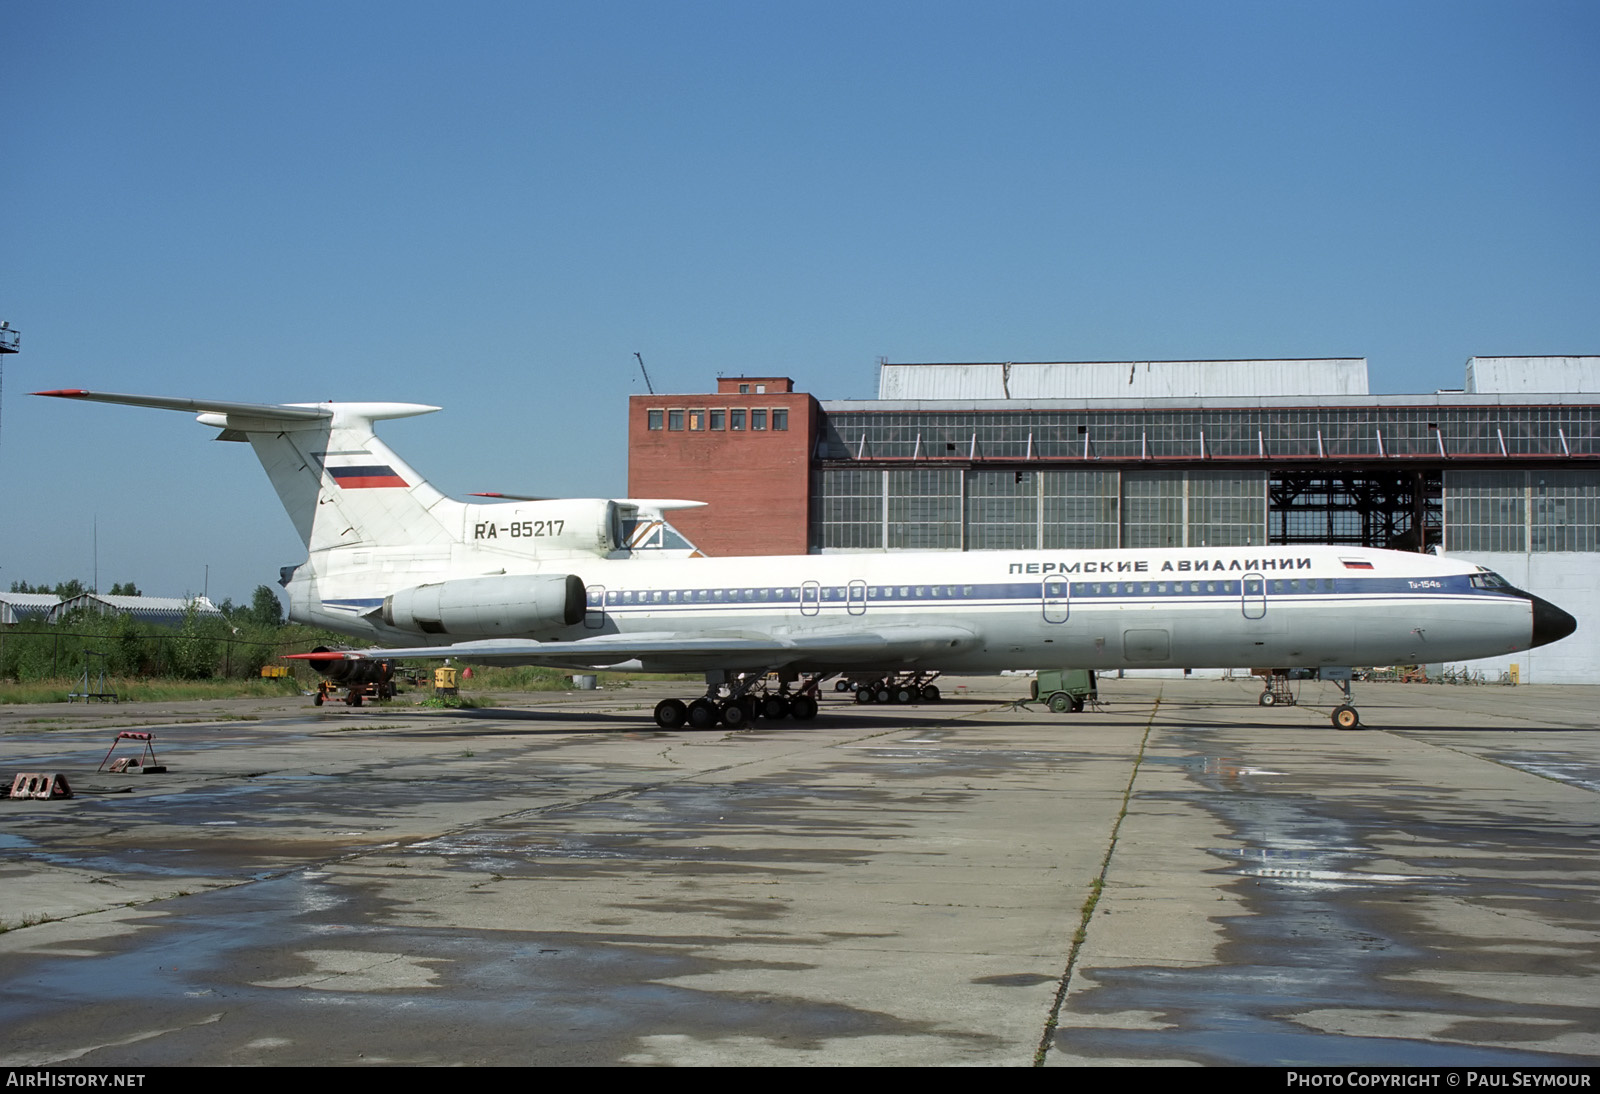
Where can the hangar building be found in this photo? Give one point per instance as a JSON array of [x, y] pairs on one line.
[[1106, 454]]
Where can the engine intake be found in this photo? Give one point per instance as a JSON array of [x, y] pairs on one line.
[[489, 606]]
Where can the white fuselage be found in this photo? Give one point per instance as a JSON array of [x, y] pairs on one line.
[[1173, 608]]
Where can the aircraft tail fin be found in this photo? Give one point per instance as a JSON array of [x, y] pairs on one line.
[[340, 484]]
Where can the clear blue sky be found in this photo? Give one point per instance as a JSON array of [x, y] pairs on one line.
[[491, 206]]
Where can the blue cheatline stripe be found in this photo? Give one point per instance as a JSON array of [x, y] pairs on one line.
[[1302, 590]]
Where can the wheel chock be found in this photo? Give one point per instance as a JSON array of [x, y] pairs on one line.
[[30, 784]]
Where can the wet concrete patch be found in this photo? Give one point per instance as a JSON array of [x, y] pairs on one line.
[[1368, 920]]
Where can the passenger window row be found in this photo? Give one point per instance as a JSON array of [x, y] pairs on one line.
[[1015, 591]]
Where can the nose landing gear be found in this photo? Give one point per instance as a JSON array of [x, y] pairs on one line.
[[1345, 715]]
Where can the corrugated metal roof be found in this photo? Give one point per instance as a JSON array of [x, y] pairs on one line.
[[154, 609], [1336, 376], [1532, 375], [17, 606]]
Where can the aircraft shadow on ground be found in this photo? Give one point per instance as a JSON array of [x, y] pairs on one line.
[[474, 721]]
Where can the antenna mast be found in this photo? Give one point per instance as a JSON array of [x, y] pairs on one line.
[[647, 385]]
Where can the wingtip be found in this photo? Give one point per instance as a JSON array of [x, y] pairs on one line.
[[66, 393]]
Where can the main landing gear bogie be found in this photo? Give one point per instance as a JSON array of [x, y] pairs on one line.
[[909, 688], [737, 710]]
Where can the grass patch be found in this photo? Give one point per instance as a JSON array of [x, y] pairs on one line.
[[455, 702], [532, 678], [25, 921], [144, 690]]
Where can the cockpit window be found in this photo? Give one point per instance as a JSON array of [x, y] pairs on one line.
[[1488, 579]]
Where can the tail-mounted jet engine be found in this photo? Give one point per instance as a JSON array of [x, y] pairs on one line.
[[489, 606]]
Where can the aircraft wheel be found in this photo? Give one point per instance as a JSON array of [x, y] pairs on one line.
[[883, 695], [703, 714], [734, 714], [864, 695], [1077, 704], [905, 695], [930, 694], [354, 700], [1345, 717], [671, 714], [774, 708], [1267, 699], [841, 685], [1060, 702], [316, 700], [802, 708]]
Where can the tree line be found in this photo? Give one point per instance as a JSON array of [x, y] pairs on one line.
[[197, 648], [264, 610]]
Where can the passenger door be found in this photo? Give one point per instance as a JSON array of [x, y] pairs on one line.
[[1056, 594]]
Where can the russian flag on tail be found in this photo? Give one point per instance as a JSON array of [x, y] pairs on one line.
[[366, 477]]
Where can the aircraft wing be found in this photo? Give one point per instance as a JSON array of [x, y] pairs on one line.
[[667, 651]]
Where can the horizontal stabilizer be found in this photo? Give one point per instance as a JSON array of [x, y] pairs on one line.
[[264, 412], [196, 406]]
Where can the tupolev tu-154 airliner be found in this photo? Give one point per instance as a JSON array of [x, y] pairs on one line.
[[393, 561]]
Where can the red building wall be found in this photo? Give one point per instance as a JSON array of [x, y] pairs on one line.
[[756, 481]]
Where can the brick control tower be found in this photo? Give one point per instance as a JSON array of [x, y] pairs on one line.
[[745, 451]]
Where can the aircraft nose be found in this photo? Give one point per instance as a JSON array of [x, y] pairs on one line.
[[1550, 623]]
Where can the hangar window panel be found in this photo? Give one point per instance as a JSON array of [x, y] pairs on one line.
[[848, 510], [924, 508], [1002, 510], [1152, 509], [1079, 509], [1227, 509], [1485, 510], [1564, 510]]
